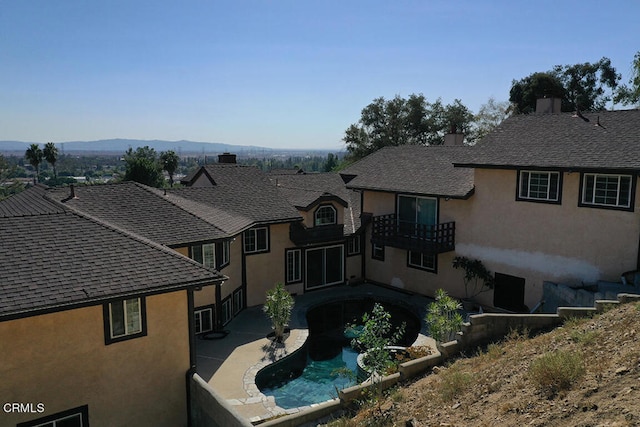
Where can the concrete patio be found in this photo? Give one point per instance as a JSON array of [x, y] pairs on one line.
[[230, 364]]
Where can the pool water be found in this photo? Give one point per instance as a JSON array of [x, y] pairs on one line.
[[317, 383]]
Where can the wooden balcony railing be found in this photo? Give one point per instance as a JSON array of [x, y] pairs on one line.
[[435, 239]]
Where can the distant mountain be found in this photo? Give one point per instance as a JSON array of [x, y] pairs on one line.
[[122, 145]]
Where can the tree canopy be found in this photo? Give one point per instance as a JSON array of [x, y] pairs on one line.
[[630, 95], [401, 121], [142, 166], [587, 87], [51, 156]]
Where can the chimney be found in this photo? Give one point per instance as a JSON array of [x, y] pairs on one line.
[[453, 137], [226, 158], [72, 188], [548, 105]]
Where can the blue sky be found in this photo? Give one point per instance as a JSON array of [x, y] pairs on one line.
[[281, 74]]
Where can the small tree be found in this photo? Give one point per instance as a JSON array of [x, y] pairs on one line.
[[142, 166], [443, 317], [278, 308], [477, 278], [169, 160]]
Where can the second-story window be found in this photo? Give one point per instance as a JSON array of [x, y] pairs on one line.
[[256, 240], [539, 186], [325, 215], [124, 319]]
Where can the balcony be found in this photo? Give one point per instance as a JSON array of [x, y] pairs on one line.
[[301, 235], [433, 239]]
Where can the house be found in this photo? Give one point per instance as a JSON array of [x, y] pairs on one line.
[[416, 203], [555, 200], [544, 197], [96, 322]]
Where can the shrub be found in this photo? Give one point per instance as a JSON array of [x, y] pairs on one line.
[[278, 308], [556, 371], [453, 382], [443, 317]]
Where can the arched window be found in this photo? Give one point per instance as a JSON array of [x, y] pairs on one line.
[[325, 215]]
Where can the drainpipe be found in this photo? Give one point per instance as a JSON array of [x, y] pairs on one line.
[[192, 353]]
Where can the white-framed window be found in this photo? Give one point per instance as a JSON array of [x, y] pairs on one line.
[[353, 245], [256, 240], [377, 251], [203, 320], [227, 313], [422, 261], [238, 301], [607, 190], [204, 254], [325, 215], [324, 266], [539, 186], [124, 319], [294, 265], [76, 417]]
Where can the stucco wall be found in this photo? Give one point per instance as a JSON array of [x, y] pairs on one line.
[[264, 270], [61, 360], [539, 241], [308, 216]]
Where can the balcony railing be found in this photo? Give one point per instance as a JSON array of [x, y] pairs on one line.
[[301, 235], [435, 239]]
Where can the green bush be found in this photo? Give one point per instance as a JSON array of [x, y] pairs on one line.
[[557, 371], [444, 318]]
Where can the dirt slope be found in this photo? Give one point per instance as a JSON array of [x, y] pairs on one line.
[[496, 388]]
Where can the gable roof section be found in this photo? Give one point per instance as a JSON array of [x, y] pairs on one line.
[[308, 190], [415, 169], [243, 191], [561, 141], [140, 210], [53, 261], [29, 203]]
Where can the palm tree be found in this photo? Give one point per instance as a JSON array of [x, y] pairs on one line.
[[34, 156], [51, 155], [169, 160]]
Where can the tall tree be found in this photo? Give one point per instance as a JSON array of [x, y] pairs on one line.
[[51, 156], [142, 166], [34, 157], [587, 87], [169, 160], [630, 95], [7, 173], [331, 163], [401, 121]]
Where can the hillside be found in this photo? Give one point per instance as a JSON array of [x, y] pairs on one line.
[[496, 387]]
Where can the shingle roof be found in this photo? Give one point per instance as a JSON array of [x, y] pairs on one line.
[[56, 260], [303, 190], [241, 191], [562, 141], [28, 203], [416, 169], [141, 210]]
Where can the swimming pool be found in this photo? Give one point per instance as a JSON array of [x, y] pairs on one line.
[[310, 374]]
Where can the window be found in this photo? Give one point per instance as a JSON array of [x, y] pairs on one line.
[[226, 311], [539, 186], [256, 240], [377, 251], [204, 254], [294, 266], [203, 320], [76, 417], [124, 319], [353, 245], [223, 251], [614, 191], [324, 266], [414, 211], [325, 215], [422, 261], [238, 301]]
